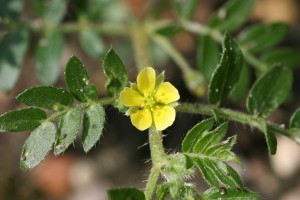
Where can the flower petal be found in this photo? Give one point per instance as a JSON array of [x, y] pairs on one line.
[[163, 116], [142, 119], [130, 97], [166, 93], [146, 81]]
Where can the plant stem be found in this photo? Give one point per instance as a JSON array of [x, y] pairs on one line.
[[102, 101], [140, 40], [201, 29], [172, 52], [233, 116], [158, 157]]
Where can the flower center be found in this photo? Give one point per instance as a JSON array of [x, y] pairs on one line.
[[149, 101]]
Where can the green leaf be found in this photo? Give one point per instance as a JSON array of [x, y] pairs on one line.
[[68, 129], [55, 11], [295, 119], [262, 36], [210, 138], [232, 15], [125, 193], [47, 55], [176, 191], [242, 86], [269, 91], [208, 174], [185, 9], [116, 72], [93, 124], [37, 146], [196, 132], [208, 56], [11, 9], [210, 155], [227, 73], [48, 97], [229, 194], [77, 80], [21, 120], [269, 136], [13, 47], [286, 56], [91, 43]]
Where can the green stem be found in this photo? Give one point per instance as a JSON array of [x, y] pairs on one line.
[[172, 52], [201, 29], [158, 157], [140, 40], [38, 25], [102, 101], [233, 116]]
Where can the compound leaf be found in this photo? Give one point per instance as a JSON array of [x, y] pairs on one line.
[[196, 132]]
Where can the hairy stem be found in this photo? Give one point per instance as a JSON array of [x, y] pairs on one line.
[[231, 115], [102, 101], [158, 157]]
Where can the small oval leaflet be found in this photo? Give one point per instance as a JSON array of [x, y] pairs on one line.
[[47, 97], [227, 73], [21, 120], [69, 127], [261, 36], [269, 91], [93, 124], [37, 146], [77, 80], [116, 72], [232, 14]]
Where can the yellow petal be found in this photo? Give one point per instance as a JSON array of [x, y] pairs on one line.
[[166, 93], [142, 119], [163, 116], [146, 81], [130, 97]]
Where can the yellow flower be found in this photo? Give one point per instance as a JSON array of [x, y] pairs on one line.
[[151, 101]]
